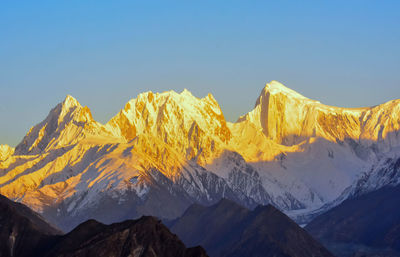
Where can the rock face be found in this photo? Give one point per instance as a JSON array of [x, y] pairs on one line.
[[227, 229], [164, 151], [23, 233], [370, 222]]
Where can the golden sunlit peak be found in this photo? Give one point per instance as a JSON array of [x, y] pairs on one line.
[[275, 87], [186, 92], [5, 151], [211, 97], [70, 101]]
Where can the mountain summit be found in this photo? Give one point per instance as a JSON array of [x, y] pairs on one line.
[[66, 124], [276, 88], [289, 118], [5, 152], [193, 126]]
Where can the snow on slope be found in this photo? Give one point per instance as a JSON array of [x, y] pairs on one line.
[[288, 118], [385, 172], [195, 127], [70, 166], [164, 151], [66, 124], [304, 144]]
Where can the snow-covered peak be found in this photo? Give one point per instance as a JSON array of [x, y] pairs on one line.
[[186, 92], [181, 120], [288, 118], [65, 124], [276, 88], [70, 102], [5, 152], [158, 106], [70, 109]]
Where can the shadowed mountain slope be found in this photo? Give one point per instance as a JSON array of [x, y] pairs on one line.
[[227, 229], [370, 221], [22, 231]]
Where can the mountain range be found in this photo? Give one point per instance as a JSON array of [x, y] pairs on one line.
[[165, 151]]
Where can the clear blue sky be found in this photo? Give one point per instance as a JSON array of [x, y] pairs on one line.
[[343, 53]]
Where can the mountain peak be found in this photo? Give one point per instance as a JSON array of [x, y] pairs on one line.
[[274, 88], [65, 124], [186, 92], [5, 152], [157, 114], [71, 109], [69, 102]]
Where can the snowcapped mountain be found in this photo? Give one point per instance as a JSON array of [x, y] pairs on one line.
[[323, 147], [164, 151], [289, 118], [193, 127], [66, 124]]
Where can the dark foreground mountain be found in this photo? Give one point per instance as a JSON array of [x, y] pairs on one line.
[[227, 229], [369, 223], [144, 237], [23, 233]]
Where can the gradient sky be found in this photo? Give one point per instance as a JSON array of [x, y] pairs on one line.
[[343, 53]]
